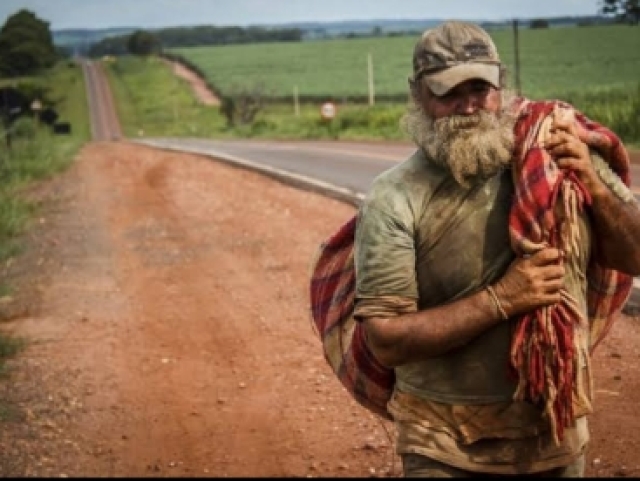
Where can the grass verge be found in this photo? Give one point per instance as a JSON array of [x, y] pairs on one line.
[[30, 152]]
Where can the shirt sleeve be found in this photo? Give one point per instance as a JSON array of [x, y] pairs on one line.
[[610, 178], [385, 261]]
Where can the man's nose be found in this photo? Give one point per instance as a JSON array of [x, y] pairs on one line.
[[468, 104]]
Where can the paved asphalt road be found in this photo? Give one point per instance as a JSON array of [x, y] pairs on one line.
[[341, 169]]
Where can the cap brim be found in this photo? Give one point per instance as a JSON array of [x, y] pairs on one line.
[[444, 80]]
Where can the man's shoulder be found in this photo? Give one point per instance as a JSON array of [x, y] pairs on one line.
[[413, 170], [403, 188]]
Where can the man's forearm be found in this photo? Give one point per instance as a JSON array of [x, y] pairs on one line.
[[431, 332], [617, 227]]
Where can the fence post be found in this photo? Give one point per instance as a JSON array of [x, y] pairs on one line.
[[371, 87], [296, 104], [516, 52]]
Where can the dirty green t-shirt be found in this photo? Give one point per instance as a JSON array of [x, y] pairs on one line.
[[423, 238], [421, 241]]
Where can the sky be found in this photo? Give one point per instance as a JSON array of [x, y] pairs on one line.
[[94, 14]]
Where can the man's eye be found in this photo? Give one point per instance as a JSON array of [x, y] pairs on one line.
[[481, 87]]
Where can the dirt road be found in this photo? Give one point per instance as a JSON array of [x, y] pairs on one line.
[[165, 299]]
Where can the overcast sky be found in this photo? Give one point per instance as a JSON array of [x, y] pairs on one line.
[[167, 13]]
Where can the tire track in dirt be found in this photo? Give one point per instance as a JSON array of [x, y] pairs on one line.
[[178, 310]]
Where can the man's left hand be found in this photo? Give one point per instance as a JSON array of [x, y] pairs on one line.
[[571, 153]]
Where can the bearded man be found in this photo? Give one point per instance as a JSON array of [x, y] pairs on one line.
[[474, 264]]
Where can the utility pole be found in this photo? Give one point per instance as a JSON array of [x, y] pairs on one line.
[[516, 53]]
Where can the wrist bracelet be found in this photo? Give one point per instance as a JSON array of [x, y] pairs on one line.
[[496, 301]]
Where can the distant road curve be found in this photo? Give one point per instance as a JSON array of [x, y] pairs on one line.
[[104, 120]]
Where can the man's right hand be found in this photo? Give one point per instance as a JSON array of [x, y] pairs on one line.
[[532, 282]]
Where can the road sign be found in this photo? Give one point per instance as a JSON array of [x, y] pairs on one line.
[[328, 110]]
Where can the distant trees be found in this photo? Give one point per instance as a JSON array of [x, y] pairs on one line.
[[191, 36], [116, 45], [26, 48], [26, 45], [539, 23], [142, 42], [622, 10]]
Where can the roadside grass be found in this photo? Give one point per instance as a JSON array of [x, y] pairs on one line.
[[9, 347], [35, 154], [152, 101], [617, 109], [9, 412], [34, 157], [68, 87]]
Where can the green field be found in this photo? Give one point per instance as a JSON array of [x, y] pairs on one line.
[[597, 69], [553, 62]]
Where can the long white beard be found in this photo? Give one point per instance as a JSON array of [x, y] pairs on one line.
[[472, 147]]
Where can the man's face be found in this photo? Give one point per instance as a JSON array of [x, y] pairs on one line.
[[466, 131], [466, 98]]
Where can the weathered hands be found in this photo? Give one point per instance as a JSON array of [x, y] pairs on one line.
[[531, 282], [571, 153]]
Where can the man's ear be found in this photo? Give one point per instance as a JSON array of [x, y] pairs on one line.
[[414, 88], [503, 76]]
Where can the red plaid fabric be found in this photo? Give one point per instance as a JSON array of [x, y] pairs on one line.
[[344, 347], [543, 356], [536, 188], [332, 287]]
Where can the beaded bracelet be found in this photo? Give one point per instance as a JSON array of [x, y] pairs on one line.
[[496, 301]]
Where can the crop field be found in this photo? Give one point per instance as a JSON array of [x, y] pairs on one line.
[[553, 62]]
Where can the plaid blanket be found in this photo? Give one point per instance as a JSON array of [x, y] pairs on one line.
[[343, 342], [332, 286], [544, 212]]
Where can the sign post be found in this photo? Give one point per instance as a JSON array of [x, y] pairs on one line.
[[36, 107], [327, 113]]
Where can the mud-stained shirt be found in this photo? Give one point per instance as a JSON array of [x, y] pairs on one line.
[[423, 241]]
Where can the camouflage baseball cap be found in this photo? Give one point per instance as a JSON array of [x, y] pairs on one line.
[[454, 52]]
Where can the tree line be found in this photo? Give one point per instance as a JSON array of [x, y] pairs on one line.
[[145, 42], [624, 11], [26, 50]]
